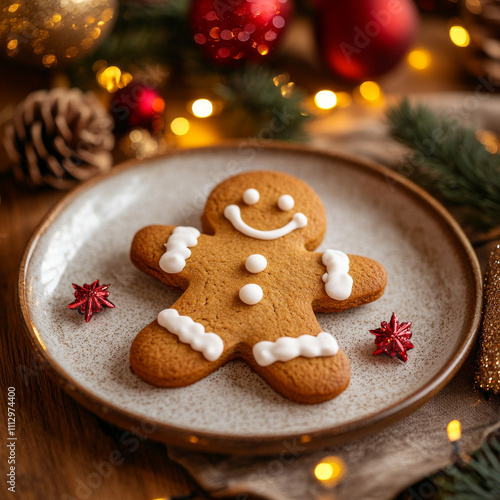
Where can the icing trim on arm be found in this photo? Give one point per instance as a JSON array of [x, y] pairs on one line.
[[233, 215], [288, 348], [192, 333], [174, 259], [338, 283]]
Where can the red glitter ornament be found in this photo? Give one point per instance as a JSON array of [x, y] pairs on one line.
[[138, 106], [364, 38], [234, 30], [90, 299], [393, 338]]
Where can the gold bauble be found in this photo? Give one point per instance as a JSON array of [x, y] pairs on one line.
[[53, 32]]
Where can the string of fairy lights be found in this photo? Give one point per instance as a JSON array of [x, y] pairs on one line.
[[331, 470], [112, 78]]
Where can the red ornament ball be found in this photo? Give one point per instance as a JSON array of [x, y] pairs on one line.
[[138, 106], [234, 30], [365, 38]]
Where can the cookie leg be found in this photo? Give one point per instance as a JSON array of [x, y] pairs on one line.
[[308, 380], [160, 358]]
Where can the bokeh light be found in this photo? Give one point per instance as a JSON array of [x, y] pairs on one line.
[[325, 99], [179, 126], [370, 91], [419, 59], [454, 430], [330, 470], [489, 140], [459, 36], [287, 89], [202, 108], [112, 78]]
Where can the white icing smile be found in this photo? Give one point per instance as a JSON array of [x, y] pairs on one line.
[[233, 215]]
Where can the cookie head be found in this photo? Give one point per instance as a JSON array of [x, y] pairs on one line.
[[266, 206]]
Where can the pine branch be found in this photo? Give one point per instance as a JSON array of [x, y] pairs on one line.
[[252, 95], [479, 479], [449, 161]]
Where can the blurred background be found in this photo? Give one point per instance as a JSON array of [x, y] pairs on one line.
[[180, 73]]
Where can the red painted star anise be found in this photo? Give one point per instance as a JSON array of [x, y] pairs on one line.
[[393, 338], [90, 299]]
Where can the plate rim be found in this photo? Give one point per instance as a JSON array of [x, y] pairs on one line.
[[257, 445]]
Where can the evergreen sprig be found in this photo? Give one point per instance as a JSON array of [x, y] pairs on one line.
[[258, 106], [449, 161], [479, 478]]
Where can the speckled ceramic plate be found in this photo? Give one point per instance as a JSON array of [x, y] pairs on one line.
[[433, 281]]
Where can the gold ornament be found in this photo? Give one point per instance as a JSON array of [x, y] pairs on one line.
[[53, 32], [488, 371]]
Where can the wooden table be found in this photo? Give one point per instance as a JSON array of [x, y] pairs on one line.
[[59, 443], [62, 449]]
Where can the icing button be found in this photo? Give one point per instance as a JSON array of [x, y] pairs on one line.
[[251, 196], [285, 202], [256, 263], [251, 294]]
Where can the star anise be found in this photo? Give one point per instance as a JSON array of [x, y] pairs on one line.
[[90, 299], [393, 338]]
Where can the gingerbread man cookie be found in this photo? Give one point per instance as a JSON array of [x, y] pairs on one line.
[[251, 286]]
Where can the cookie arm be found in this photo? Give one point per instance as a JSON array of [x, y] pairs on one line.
[[148, 249], [368, 283]]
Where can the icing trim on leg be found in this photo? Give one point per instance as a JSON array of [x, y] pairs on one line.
[[174, 259], [286, 348], [192, 333], [338, 284]]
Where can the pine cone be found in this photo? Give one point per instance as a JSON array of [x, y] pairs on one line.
[[59, 137]]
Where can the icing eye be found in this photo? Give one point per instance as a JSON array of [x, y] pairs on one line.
[[251, 196], [285, 202]]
